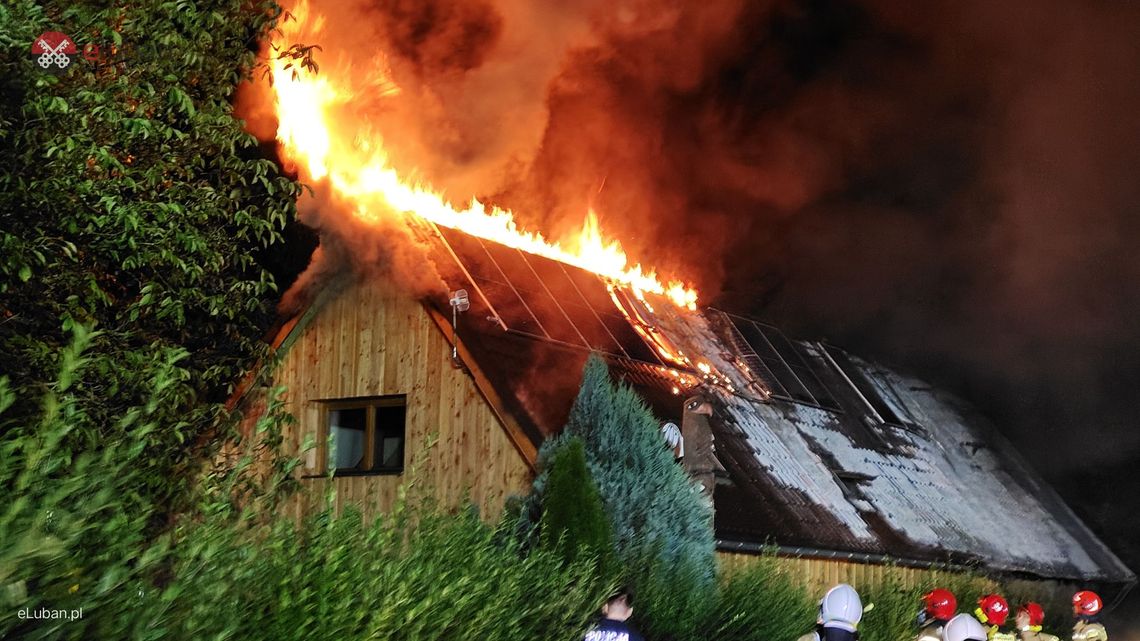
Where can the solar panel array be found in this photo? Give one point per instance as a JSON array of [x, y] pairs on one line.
[[781, 363], [547, 299], [892, 411]]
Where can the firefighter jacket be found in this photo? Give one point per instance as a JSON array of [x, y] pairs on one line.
[[1034, 633], [994, 633], [824, 633], [1089, 631], [930, 632]]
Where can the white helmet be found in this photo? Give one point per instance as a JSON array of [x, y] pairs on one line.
[[963, 627], [841, 608]]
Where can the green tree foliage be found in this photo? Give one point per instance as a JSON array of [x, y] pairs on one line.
[[573, 520], [132, 200], [79, 541], [661, 522], [761, 602], [652, 503], [675, 599]]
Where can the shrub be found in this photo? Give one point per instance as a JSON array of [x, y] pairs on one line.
[[653, 506], [75, 536], [674, 600], [661, 522], [894, 616], [573, 521], [761, 602], [435, 576]]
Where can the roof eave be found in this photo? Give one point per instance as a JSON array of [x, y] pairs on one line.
[[801, 552]]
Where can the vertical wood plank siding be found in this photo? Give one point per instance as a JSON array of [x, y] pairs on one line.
[[817, 575], [369, 340]]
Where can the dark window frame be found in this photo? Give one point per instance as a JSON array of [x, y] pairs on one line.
[[370, 405], [885, 411]]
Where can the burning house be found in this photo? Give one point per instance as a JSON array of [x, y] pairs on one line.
[[834, 461], [841, 466]]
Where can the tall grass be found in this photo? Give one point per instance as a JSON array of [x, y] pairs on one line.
[[437, 576], [76, 535], [761, 602]]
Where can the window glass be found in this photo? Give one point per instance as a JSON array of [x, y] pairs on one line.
[[348, 429], [388, 446]]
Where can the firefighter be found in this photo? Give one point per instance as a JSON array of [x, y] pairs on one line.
[[1028, 621], [963, 627], [839, 613], [992, 612], [1086, 608], [938, 607]]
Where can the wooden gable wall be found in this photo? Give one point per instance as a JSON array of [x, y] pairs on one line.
[[369, 340]]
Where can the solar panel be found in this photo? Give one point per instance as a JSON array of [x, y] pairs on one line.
[[893, 412], [546, 299], [781, 363]]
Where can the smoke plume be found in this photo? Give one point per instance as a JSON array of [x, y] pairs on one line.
[[949, 186]]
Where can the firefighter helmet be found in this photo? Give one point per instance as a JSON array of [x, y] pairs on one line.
[[841, 608], [963, 628], [1034, 611], [939, 604], [993, 609], [1086, 603]]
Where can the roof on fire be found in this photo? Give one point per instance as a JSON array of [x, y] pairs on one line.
[[823, 450]]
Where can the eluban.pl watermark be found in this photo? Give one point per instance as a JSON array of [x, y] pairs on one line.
[[50, 614]]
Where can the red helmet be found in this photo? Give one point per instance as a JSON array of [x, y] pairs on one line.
[[940, 604], [1086, 603], [1036, 614], [993, 609]]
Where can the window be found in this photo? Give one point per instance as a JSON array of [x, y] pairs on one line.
[[364, 435], [891, 411]]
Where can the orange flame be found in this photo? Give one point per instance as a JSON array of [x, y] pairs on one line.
[[358, 169]]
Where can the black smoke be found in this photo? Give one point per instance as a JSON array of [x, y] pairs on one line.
[[948, 186], [951, 187]]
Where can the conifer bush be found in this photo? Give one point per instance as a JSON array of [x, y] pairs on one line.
[[574, 522], [653, 506], [661, 522]]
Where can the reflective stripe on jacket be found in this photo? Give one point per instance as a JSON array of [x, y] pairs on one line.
[[1085, 631], [930, 632]]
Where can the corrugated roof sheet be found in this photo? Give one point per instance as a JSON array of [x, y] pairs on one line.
[[890, 467]]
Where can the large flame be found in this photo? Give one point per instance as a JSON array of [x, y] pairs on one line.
[[356, 166]]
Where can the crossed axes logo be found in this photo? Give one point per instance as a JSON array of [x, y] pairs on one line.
[[54, 51]]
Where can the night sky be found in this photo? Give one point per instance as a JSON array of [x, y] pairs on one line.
[[948, 187]]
